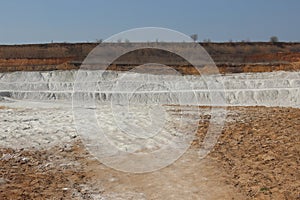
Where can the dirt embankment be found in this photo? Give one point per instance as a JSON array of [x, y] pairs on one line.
[[34, 64], [229, 57]]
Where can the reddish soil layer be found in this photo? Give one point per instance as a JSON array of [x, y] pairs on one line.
[[229, 57]]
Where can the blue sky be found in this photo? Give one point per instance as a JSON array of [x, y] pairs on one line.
[[40, 21]]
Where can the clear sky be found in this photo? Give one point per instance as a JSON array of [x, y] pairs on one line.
[[41, 21]]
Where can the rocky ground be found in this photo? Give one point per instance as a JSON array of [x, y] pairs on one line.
[[257, 157], [260, 150]]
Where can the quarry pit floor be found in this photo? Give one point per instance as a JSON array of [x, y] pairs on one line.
[[257, 156]]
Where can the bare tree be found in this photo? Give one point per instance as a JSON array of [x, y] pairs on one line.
[[99, 40], [274, 39], [194, 37]]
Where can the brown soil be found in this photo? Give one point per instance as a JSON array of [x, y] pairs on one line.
[[229, 57], [290, 57], [260, 149], [257, 157], [37, 174]]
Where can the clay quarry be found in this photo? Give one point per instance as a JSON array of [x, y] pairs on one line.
[[46, 151]]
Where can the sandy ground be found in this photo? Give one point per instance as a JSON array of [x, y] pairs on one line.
[[71, 173], [256, 157]]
